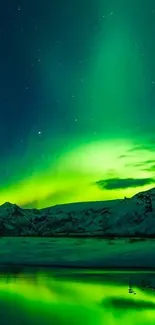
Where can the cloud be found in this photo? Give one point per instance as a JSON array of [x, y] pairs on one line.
[[123, 156], [150, 168], [151, 161], [148, 145], [143, 165], [120, 183], [137, 147]]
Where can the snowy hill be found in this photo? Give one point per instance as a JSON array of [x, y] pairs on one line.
[[128, 217]]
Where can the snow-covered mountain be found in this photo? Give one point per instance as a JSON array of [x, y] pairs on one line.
[[127, 217]]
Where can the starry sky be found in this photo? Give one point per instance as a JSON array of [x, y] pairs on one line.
[[77, 100]]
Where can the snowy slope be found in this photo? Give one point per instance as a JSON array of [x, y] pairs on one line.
[[128, 217]]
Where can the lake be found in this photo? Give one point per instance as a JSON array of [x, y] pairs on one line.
[[60, 296], [78, 252]]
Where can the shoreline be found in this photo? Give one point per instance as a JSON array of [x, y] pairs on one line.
[[77, 253]]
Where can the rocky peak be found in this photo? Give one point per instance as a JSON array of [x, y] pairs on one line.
[[144, 194], [8, 205]]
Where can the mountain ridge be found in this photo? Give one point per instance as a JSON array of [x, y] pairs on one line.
[[130, 217]]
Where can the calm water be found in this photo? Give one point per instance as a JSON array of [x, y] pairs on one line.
[[62, 297]]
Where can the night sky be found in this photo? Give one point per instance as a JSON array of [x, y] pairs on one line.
[[77, 100]]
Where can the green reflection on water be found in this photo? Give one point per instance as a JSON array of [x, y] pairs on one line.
[[47, 299]]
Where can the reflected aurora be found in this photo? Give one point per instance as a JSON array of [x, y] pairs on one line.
[[60, 301]]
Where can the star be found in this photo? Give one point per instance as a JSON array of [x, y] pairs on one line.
[[39, 133]]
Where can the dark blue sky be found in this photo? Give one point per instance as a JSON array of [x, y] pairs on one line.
[[71, 73]]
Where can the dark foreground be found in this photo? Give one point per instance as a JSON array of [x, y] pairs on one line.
[[66, 296]]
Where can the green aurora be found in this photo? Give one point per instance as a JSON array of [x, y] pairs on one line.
[[102, 129], [62, 301]]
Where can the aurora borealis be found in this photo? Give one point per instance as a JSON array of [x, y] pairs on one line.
[[42, 298], [77, 100]]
